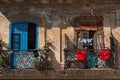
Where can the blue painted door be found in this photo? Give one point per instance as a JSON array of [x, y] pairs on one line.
[[23, 36], [15, 46], [19, 40]]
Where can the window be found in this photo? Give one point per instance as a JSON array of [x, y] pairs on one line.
[[85, 39]]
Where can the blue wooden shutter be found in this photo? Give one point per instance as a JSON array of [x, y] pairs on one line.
[[22, 30]]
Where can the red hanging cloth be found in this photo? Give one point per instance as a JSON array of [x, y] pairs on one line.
[[81, 55], [104, 54]]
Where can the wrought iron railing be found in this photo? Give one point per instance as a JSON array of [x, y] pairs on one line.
[[22, 59], [40, 59], [92, 59]]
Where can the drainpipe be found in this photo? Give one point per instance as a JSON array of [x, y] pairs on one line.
[[60, 44]]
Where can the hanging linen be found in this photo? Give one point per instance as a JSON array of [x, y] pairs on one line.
[[92, 59], [104, 54], [81, 55]]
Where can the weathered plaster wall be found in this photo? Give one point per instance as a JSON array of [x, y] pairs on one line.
[[107, 32], [4, 28], [53, 22], [116, 34], [116, 29]]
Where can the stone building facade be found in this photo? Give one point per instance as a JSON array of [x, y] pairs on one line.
[[55, 19]]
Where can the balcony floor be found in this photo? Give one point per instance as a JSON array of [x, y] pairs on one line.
[[81, 74]]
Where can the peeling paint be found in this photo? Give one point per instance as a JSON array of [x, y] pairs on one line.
[[55, 20]]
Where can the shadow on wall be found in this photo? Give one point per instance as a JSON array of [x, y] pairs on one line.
[[115, 52], [54, 63], [52, 48], [5, 45], [114, 61], [69, 43]]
